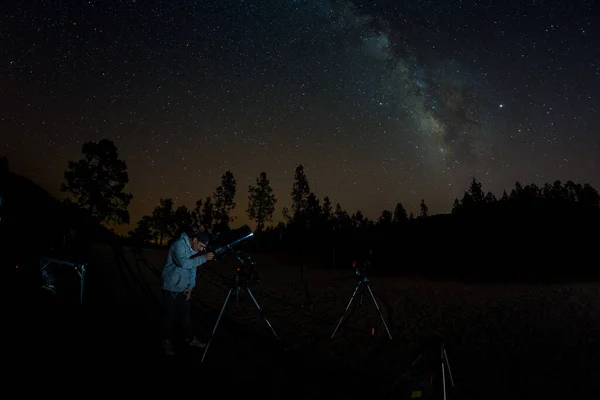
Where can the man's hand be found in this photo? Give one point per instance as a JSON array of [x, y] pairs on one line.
[[188, 294], [209, 256]]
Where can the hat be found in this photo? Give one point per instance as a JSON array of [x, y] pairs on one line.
[[200, 235]]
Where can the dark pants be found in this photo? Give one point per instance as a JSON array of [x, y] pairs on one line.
[[175, 303]]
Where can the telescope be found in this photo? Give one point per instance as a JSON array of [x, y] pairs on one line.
[[247, 271], [362, 264], [221, 244]]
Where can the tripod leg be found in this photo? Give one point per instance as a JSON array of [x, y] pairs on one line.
[[362, 292], [445, 355], [216, 325], [346, 310], [261, 312], [443, 381], [379, 310], [82, 285]]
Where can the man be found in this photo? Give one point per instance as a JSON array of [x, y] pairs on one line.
[[178, 279]]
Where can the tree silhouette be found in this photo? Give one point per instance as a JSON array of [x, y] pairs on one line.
[[358, 219], [588, 196], [327, 210], [314, 211], [197, 213], [474, 199], [224, 202], [424, 209], [261, 202], [144, 232], [97, 182], [182, 220], [490, 198], [207, 217], [341, 219], [285, 212], [476, 193], [300, 193], [456, 206], [386, 218], [163, 219], [400, 214], [165, 222], [584, 195]]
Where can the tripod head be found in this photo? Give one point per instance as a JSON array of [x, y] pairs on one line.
[[247, 271], [362, 266]]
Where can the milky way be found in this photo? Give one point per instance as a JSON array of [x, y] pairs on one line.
[[380, 101]]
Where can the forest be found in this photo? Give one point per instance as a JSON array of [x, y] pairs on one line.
[[531, 231]]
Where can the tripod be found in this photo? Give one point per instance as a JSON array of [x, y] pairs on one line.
[[49, 278], [363, 282], [444, 365], [237, 285]]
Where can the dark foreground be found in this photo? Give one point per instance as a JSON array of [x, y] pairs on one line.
[[503, 342]]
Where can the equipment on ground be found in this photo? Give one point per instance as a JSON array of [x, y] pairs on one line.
[[245, 275], [47, 271], [429, 376], [362, 266]]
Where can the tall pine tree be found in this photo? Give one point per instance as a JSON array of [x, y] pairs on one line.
[[300, 193], [98, 181], [224, 202], [261, 202]]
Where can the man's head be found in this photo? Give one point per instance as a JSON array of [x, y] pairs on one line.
[[198, 240]]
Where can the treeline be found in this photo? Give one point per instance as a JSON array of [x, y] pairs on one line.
[[213, 214], [530, 224], [529, 232]]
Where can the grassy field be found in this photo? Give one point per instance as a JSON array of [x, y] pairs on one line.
[[509, 341]]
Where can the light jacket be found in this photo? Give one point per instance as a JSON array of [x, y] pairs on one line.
[[179, 273]]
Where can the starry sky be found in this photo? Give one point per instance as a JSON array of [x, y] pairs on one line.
[[381, 101]]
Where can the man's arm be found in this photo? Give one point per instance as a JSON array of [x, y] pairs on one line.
[[182, 258]]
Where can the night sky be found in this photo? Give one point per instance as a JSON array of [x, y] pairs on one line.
[[381, 101]]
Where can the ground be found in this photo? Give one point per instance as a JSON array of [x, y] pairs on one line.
[[504, 341]]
